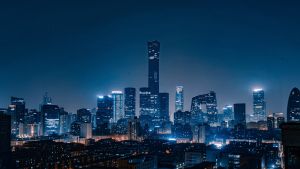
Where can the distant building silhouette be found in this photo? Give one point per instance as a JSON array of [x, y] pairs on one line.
[[5, 148], [240, 114], [293, 108]]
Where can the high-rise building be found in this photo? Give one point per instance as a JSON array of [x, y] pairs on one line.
[[164, 106], [153, 79], [50, 116], [179, 98], [118, 112], [199, 133], [227, 113], [291, 144], [129, 102], [134, 128], [209, 115], [104, 114], [5, 148], [259, 105], [145, 103], [240, 114], [153, 66], [64, 125], [17, 111], [86, 130], [293, 108], [84, 115]]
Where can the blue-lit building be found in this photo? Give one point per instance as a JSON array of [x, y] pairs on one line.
[[228, 113], [129, 102], [259, 105], [164, 106], [293, 108], [50, 116], [118, 111], [17, 111], [104, 114], [179, 99], [211, 114], [145, 102]]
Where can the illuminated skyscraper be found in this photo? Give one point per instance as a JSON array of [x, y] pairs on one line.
[[153, 66], [50, 116], [129, 102], [134, 128], [227, 113], [293, 108], [259, 105], [104, 114], [179, 98], [118, 111], [145, 103]]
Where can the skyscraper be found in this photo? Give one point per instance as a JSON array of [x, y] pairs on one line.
[[50, 116], [293, 108], [145, 103], [259, 105], [129, 102], [104, 114], [179, 98], [240, 114], [118, 112], [153, 66], [164, 106], [227, 113]]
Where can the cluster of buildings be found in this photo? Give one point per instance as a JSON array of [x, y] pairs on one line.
[[211, 137]]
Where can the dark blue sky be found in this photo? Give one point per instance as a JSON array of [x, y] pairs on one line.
[[78, 49]]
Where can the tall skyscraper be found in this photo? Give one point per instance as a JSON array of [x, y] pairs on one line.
[[50, 116], [259, 105], [104, 114], [293, 108], [153, 66], [5, 148], [118, 112], [179, 98], [164, 106], [129, 102], [240, 114]]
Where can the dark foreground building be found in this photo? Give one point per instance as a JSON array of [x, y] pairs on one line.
[[5, 150], [291, 145]]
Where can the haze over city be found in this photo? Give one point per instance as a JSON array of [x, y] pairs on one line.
[[78, 50]]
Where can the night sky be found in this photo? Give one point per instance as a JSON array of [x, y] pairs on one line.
[[76, 50]]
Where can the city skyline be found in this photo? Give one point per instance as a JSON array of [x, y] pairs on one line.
[[209, 47]]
